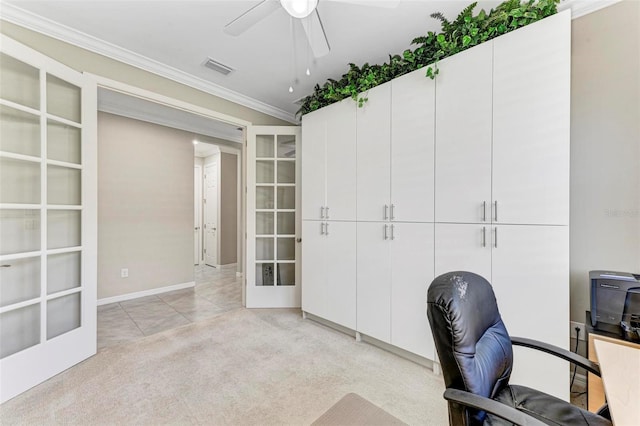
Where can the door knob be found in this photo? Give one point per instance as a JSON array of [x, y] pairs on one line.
[[196, 228]]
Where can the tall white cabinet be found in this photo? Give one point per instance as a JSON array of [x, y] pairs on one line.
[[467, 172]]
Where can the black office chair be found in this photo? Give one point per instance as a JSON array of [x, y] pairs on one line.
[[476, 356]]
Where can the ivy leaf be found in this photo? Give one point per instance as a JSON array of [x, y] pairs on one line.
[[466, 40]]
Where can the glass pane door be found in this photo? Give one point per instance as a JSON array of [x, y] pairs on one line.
[[273, 217], [47, 286]]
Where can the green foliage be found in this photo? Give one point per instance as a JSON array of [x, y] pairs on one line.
[[466, 31]]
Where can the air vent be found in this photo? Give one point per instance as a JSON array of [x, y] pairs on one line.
[[217, 66]]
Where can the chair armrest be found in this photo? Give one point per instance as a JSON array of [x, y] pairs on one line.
[[573, 358], [506, 412]]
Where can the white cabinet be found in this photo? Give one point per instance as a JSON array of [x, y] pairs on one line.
[[328, 159], [329, 271], [412, 147], [463, 247], [374, 155], [463, 136], [411, 274], [531, 102]]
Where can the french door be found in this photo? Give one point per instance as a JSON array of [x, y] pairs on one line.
[[48, 220], [273, 217]]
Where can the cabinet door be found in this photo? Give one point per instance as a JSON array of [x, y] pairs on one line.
[[463, 136], [463, 247], [532, 86], [374, 281], [412, 147], [374, 155], [341, 273], [341, 160], [411, 274], [314, 267], [314, 129], [531, 282]]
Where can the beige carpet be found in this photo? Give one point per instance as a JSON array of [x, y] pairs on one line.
[[354, 410], [246, 367]]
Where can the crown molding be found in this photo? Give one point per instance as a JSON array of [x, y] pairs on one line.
[[584, 7], [31, 21]]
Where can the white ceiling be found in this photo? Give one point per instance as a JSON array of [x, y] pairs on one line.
[[183, 34], [174, 38]]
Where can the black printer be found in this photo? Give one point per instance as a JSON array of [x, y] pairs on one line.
[[615, 303]]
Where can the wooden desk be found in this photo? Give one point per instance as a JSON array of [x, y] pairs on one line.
[[620, 369]]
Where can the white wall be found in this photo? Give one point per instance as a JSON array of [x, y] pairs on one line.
[[605, 147], [145, 206]]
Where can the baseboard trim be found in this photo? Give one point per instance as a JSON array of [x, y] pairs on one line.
[[150, 292]]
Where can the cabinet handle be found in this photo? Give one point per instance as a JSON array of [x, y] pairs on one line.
[[326, 212], [386, 211], [393, 216], [321, 212], [495, 240], [385, 232], [484, 211], [484, 236], [392, 229], [495, 210], [321, 228], [326, 229]]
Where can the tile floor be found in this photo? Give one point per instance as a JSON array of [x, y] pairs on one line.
[[217, 290]]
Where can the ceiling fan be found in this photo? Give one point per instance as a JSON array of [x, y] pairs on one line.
[[303, 10]]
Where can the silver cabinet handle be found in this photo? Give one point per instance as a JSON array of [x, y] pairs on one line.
[[484, 236], [484, 211], [495, 210], [392, 229], [321, 212], [326, 229], [495, 240], [393, 216], [385, 232], [326, 212], [321, 228], [386, 211]]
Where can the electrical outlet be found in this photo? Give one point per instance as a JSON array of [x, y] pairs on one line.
[[124, 273], [582, 333]]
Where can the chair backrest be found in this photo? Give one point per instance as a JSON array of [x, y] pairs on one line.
[[472, 342]]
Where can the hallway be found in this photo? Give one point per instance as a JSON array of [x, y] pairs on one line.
[[217, 290]]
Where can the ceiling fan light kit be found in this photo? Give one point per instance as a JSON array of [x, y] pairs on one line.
[[299, 8]]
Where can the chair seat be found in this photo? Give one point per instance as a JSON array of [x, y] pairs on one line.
[[546, 408]]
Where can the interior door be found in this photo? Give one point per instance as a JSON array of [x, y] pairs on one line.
[[211, 214], [273, 217], [197, 213], [48, 218]]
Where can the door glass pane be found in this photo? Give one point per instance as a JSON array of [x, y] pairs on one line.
[[63, 315], [63, 185], [63, 228], [63, 272], [264, 171], [264, 146], [19, 82], [63, 142], [287, 197], [264, 197], [264, 274], [20, 280], [286, 249], [286, 146], [286, 172], [19, 132], [264, 223], [264, 249], [63, 99], [19, 329], [286, 223], [286, 274], [20, 230], [19, 181]]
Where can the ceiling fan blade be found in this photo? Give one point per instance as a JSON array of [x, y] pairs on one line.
[[389, 4], [245, 21], [315, 34]]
